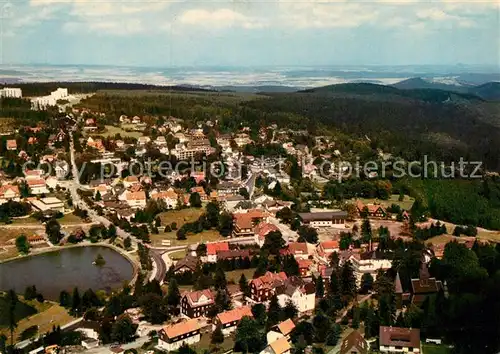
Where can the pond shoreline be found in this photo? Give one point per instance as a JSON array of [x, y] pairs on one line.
[[134, 263]]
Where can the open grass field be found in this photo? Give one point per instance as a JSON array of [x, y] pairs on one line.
[[435, 349], [10, 233], [8, 252], [50, 314], [204, 343], [406, 204], [178, 255], [235, 275], [180, 217], [482, 234], [205, 236], [69, 219], [25, 221], [112, 131]]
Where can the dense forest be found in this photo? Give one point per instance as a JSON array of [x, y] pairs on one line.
[[406, 123]]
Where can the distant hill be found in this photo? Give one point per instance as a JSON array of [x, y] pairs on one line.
[[390, 93], [487, 91]]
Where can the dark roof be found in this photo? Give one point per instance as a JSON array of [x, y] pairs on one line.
[[188, 261], [325, 215], [354, 340], [399, 337], [293, 283]]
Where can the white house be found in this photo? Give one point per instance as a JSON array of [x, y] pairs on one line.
[[282, 329], [368, 263], [393, 340], [213, 248], [229, 320], [37, 186], [300, 293], [136, 199], [46, 204], [174, 336]]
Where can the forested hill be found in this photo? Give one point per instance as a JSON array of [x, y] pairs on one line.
[[487, 91], [383, 92], [408, 123], [45, 88]]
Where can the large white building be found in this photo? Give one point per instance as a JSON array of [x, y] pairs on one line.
[[300, 293], [11, 92], [51, 100]]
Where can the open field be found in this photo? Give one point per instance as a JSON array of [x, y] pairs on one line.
[[435, 349], [482, 234], [25, 221], [205, 236], [178, 255], [112, 131], [180, 217], [204, 343], [50, 314], [10, 233], [235, 275], [8, 252], [69, 219], [406, 204]]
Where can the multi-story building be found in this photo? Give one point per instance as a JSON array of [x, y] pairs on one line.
[[11, 92], [174, 336], [229, 320], [369, 262], [195, 304], [302, 294], [336, 219], [394, 340], [264, 287]]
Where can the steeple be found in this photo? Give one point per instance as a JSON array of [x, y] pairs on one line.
[[398, 288]]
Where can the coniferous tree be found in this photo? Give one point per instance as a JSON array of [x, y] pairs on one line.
[[320, 287], [173, 294], [76, 301], [347, 281], [217, 336], [244, 286], [273, 312]]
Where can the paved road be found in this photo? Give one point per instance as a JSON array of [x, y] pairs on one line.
[[77, 201], [161, 267]]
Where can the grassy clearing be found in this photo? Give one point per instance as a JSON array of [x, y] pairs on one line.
[[69, 219], [178, 255], [435, 349], [25, 221], [406, 204], [235, 275], [7, 253], [205, 236], [180, 217], [10, 234], [50, 314], [204, 343], [111, 131]]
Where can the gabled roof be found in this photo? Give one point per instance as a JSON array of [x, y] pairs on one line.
[[188, 261], [234, 315], [195, 296], [399, 337], [179, 329], [212, 248], [280, 346], [269, 280], [286, 327], [354, 340]]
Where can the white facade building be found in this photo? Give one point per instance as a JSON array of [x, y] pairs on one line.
[[11, 92]]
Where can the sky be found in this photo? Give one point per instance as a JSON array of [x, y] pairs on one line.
[[160, 33]]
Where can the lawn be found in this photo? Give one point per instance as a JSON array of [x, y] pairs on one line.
[[50, 315], [8, 252], [406, 204], [180, 217], [23, 310], [435, 349], [111, 131], [178, 255], [204, 343], [235, 275], [10, 233], [203, 237], [69, 219], [25, 221]]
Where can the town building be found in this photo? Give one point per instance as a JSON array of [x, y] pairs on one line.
[[354, 343], [424, 286], [11, 92], [369, 262], [264, 287], [394, 340], [297, 249], [370, 210], [229, 320], [302, 294], [174, 336], [195, 304], [49, 203], [9, 192], [336, 219], [187, 264], [279, 346], [282, 329]]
